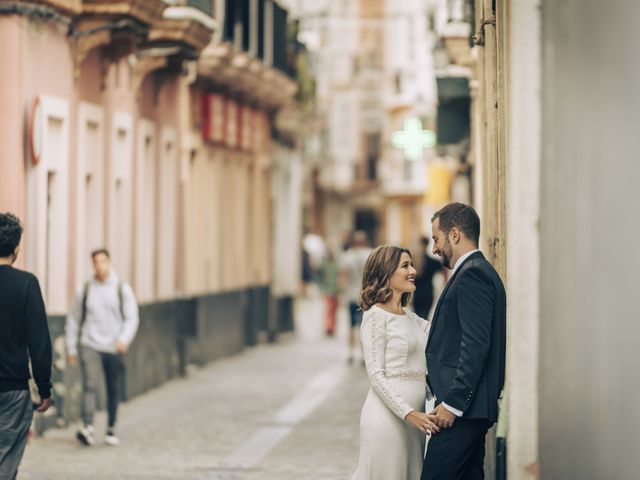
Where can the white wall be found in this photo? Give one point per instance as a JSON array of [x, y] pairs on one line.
[[523, 241], [51, 183], [287, 194], [90, 187], [589, 230], [168, 213], [146, 211], [120, 192], [409, 54]]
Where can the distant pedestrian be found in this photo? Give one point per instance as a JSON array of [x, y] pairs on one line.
[[314, 245], [423, 296], [24, 335], [352, 269], [306, 273], [328, 282], [100, 327]]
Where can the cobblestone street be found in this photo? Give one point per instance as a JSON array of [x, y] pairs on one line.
[[275, 412]]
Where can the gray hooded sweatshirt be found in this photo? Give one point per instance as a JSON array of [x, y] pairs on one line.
[[103, 325]]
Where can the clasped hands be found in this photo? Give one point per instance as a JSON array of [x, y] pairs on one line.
[[443, 417], [425, 422], [432, 422]]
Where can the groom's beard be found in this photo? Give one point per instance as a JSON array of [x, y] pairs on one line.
[[445, 254]]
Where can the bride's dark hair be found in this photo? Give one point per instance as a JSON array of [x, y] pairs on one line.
[[381, 264]]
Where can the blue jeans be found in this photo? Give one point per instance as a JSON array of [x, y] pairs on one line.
[[16, 412], [355, 314], [91, 362]]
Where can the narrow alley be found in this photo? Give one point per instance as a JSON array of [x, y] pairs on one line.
[[284, 411]]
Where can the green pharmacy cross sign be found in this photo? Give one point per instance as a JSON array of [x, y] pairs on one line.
[[413, 139]]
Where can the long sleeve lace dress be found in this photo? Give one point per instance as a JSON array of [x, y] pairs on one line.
[[394, 346]]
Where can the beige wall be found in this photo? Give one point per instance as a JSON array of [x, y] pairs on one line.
[[227, 221]]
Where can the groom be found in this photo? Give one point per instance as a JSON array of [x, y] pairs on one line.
[[466, 349]]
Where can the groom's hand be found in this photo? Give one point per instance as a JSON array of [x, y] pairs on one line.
[[443, 417]]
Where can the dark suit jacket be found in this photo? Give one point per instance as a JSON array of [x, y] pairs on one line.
[[467, 341]]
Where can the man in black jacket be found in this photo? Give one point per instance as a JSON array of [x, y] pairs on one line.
[[429, 268], [24, 334], [465, 350]]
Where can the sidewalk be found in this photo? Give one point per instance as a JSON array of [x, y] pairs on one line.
[[275, 412]]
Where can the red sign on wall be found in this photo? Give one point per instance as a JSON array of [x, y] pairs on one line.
[[213, 111], [226, 122]]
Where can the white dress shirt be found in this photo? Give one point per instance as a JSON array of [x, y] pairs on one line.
[[455, 411]]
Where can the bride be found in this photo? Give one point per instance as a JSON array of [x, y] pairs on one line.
[[393, 424]]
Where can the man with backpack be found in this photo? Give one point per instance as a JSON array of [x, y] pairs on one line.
[[100, 327]]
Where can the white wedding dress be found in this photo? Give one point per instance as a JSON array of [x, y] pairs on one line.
[[394, 346]]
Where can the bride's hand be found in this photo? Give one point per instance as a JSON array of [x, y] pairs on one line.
[[423, 422]]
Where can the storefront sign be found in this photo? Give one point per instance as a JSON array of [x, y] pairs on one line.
[[213, 112]]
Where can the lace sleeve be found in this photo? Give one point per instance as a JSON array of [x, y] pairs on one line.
[[374, 341], [423, 322]]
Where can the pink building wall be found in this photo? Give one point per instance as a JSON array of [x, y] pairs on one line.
[[109, 187], [36, 62], [12, 159]]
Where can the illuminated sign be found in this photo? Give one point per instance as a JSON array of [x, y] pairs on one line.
[[413, 139]]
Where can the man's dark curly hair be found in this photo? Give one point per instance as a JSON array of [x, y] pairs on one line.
[[10, 234]]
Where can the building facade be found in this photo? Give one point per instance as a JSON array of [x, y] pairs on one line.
[[374, 73], [145, 127]]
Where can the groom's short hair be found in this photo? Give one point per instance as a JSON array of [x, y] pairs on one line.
[[461, 216]]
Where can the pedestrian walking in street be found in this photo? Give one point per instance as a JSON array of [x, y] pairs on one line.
[[24, 336], [430, 267], [101, 325], [328, 282], [314, 245], [466, 348], [393, 422], [351, 271], [306, 272]]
